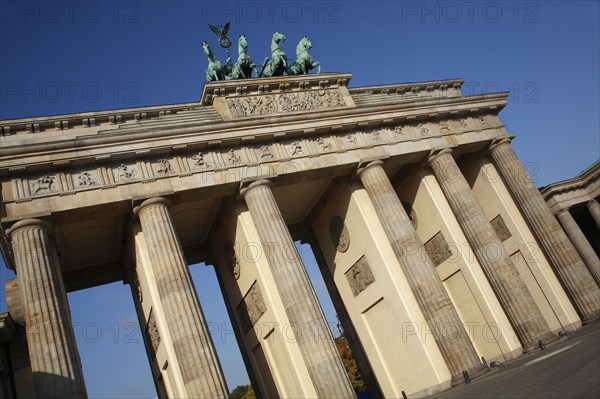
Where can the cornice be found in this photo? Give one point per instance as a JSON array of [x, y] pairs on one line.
[[406, 87], [231, 132]]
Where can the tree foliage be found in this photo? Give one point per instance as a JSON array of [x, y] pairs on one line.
[[242, 392], [350, 364]]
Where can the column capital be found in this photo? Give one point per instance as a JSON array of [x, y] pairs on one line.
[[436, 152], [28, 223], [560, 211], [151, 201], [497, 141], [245, 187], [364, 165]]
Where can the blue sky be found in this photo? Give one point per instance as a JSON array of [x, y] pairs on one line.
[[64, 56]]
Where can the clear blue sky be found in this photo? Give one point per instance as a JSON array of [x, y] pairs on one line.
[[61, 57]]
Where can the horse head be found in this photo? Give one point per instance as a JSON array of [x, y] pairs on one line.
[[242, 42], [303, 45], [278, 37], [207, 49]]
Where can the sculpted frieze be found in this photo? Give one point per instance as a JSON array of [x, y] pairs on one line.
[[45, 184], [339, 234], [127, 172], [285, 102], [108, 174], [360, 276], [162, 167], [295, 148], [87, 179], [437, 248], [251, 308]]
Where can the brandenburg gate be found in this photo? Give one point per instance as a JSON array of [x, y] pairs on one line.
[[438, 251]]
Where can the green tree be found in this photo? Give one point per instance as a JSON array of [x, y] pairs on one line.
[[239, 392]]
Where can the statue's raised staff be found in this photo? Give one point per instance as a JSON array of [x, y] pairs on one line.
[[304, 61], [214, 70], [243, 66], [277, 66]]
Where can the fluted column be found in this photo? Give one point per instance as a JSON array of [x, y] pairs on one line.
[[433, 299], [53, 352], [561, 253], [198, 362], [594, 208], [518, 303], [580, 242], [299, 300]]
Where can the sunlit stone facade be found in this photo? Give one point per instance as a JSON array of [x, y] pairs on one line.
[[438, 251]]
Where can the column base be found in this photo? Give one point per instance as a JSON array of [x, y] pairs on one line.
[[546, 339], [591, 318]]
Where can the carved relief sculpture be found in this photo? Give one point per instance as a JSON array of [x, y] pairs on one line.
[[152, 332], [360, 276], [285, 102], [233, 158], [44, 184], [294, 148], [500, 227], [199, 160], [437, 248], [86, 179], [127, 172], [251, 308], [163, 167], [233, 264], [264, 152], [339, 234]]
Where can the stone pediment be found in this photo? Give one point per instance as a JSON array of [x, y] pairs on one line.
[[278, 95]]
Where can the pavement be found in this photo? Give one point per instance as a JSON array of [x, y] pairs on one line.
[[570, 368]]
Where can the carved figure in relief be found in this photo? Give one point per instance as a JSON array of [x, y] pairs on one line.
[[304, 61], [483, 121], [85, 179], [163, 167], [152, 331], [339, 234], [233, 158], [243, 66], [232, 261], [376, 136], [127, 171], [199, 160], [444, 126], [44, 184], [423, 130], [295, 148], [399, 130], [351, 138], [323, 144], [277, 66], [265, 152]]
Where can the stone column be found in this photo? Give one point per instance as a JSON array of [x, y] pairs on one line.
[[427, 287], [301, 305], [198, 362], [575, 277], [580, 242], [518, 303], [594, 208], [53, 352]]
